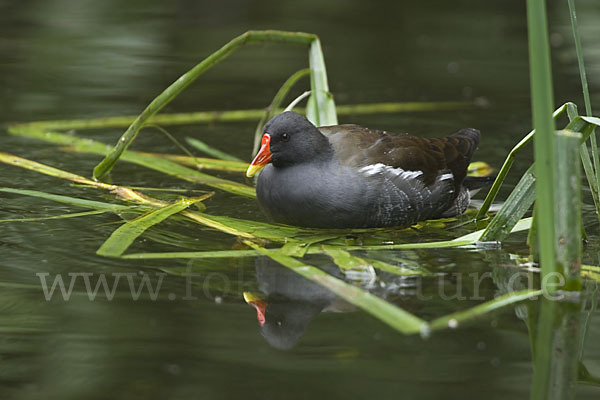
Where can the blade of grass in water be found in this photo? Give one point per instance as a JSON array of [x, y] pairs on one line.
[[158, 164], [310, 250], [346, 261], [62, 216], [124, 236], [590, 268], [591, 275], [517, 204], [523, 225], [123, 192], [201, 162], [299, 246], [453, 320], [211, 151], [73, 201], [211, 117], [395, 317]]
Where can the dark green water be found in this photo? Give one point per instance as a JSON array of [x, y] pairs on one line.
[[69, 59]]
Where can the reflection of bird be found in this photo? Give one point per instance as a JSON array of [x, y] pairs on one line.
[[347, 176], [290, 304]]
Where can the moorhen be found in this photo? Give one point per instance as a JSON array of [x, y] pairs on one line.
[[347, 176]]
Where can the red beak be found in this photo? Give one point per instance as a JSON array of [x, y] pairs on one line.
[[259, 305], [262, 158]]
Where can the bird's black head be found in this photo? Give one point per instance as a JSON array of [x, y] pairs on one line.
[[294, 140]]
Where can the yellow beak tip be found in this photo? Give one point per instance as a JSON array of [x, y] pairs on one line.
[[253, 169], [250, 297]]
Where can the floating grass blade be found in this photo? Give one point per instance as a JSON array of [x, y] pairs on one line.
[[198, 162], [124, 236], [263, 230], [62, 216], [591, 268], [211, 151], [123, 192], [591, 275], [190, 175], [186, 79], [346, 261], [454, 319], [466, 240], [413, 246], [298, 247], [73, 201], [51, 171], [395, 317], [193, 254], [209, 221]]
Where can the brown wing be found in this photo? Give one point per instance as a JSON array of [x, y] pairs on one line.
[[358, 146]]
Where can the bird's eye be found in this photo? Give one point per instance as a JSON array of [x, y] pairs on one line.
[[285, 137]]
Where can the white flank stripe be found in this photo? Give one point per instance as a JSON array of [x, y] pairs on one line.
[[380, 168]]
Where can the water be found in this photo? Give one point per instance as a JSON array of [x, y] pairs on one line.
[[199, 339]]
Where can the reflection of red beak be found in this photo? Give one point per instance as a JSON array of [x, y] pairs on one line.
[[258, 304], [262, 158]]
